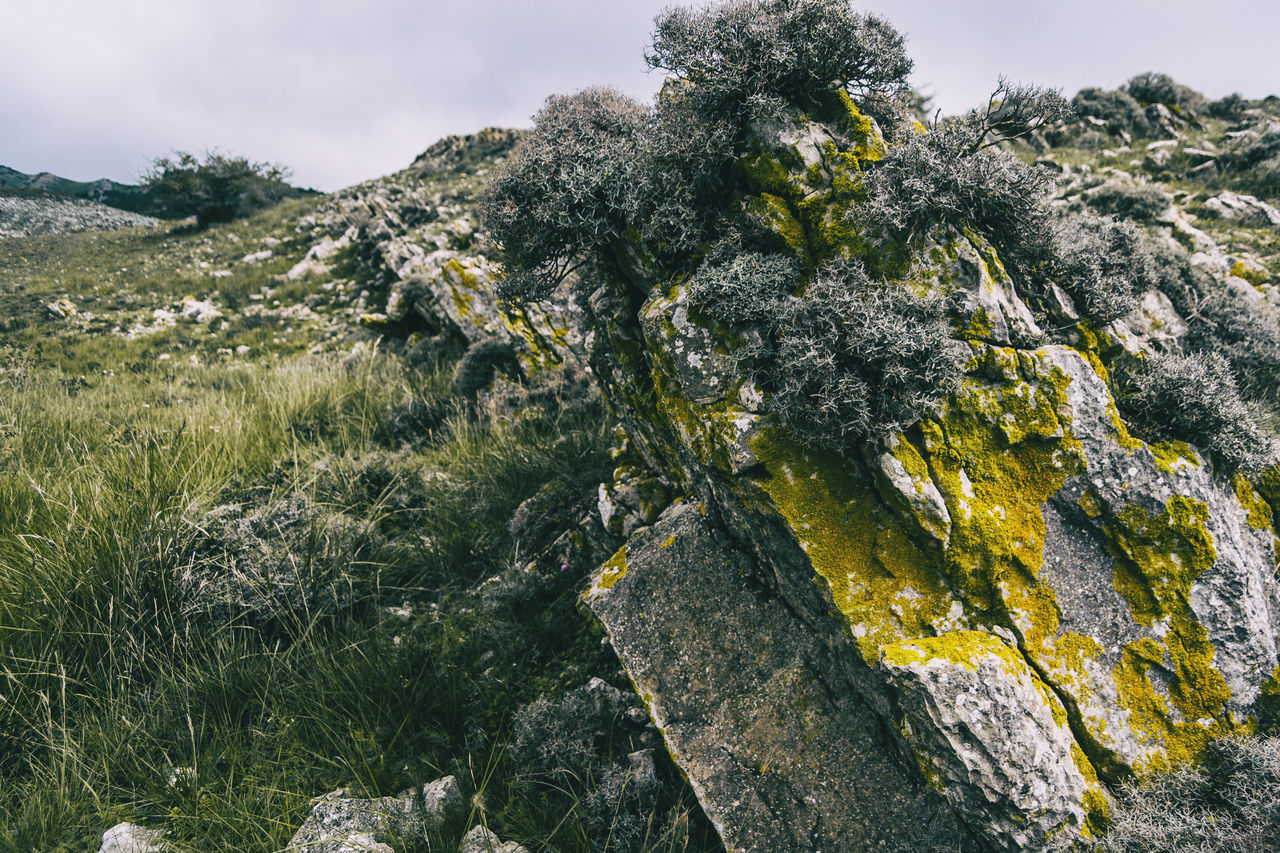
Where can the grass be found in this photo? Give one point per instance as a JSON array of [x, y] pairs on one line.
[[114, 675]]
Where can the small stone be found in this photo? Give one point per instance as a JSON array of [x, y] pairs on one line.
[[131, 838], [481, 840]]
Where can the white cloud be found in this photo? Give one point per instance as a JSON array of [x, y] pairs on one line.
[[343, 91]]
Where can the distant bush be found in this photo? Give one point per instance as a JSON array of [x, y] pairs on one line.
[[858, 359], [220, 188], [1194, 398], [1230, 108], [1120, 110], [1230, 805], [1154, 88], [1142, 202]]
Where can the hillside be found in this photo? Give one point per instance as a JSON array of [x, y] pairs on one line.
[[306, 535]]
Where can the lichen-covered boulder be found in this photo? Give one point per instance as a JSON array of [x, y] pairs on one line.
[[1131, 585]]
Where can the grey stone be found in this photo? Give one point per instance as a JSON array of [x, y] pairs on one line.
[[994, 738], [481, 840], [131, 838], [1244, 208], [339, 822]]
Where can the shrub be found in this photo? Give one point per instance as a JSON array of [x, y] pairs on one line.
[[858, 359], [478, 366], [1221, 321], [1231, 804], [567, 191], [1153, 88], [1230, 108], [1194, 398], [597, 163], [1119, 109], [220, 188], [742, 51], [1103, 264], [1142, 202], [747, 288]]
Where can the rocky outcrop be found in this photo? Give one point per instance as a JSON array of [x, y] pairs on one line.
[[416, 235], [131, 838], [28, 217], [1110, 604]]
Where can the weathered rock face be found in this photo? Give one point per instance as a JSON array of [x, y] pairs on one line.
[[1109, 604], [417, 233], [760, 712]]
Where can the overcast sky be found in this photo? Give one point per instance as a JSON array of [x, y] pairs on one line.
[[344, 91]]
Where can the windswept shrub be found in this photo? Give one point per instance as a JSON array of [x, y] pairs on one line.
[[1141, 202], [1231, 804], [597, 163], [1229, 108], [1194, 398], [1120, 110], [859, 359], [748, 288], [1151, 87], [742, 51], [1223, 321]]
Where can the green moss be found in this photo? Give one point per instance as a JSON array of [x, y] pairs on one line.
[[775, 213], [614, 569], [998, 452], [1158, 558], [1252, 274], [1173, 456], [885, 585], [962, 648], [1259, 511]]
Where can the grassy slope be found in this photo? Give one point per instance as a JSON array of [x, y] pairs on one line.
[[113, 448]]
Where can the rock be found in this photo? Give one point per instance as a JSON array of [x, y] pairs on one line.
[[771, 732], [198, 310], [254, 257], [313, 263], [994, 738], [1164, 124], [481, 840], [1125, 590], [28, 217], [339, 823], [60, 309], [131, 838], [1243, 208]]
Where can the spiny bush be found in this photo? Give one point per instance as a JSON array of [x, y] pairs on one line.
[[1194, 398], [1230, 804], [857, 358], [1223, 321], [746, 288], [1103, 264], [567, 191], [597, 164]]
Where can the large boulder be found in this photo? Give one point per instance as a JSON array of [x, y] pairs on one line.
[[1124, 591]]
